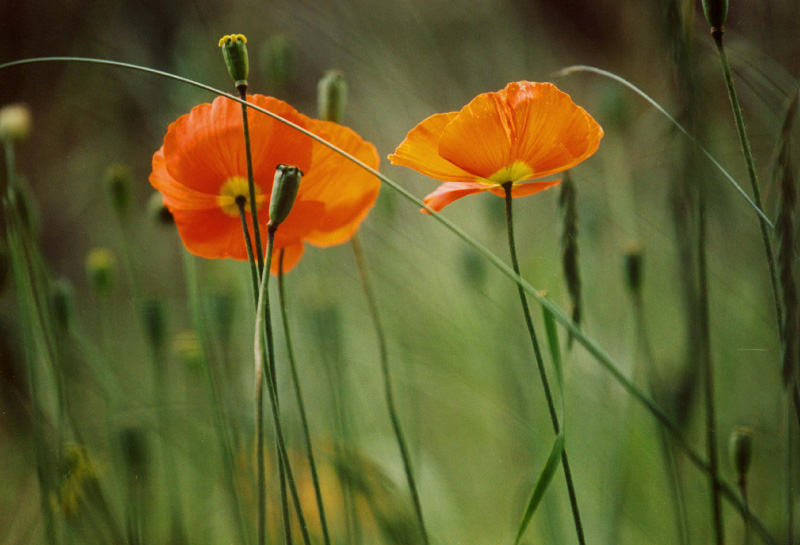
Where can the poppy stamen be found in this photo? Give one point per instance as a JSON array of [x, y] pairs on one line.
[[234, 191]]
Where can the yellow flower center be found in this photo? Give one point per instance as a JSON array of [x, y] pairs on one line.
[[517, 172], [235, 190]]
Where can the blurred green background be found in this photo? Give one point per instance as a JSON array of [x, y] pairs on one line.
[[469, 398]]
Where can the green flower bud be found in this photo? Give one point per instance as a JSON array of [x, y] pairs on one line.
[[134, 449], [158, 211], [633, 268], [284, 192], [15, 123], [332, 96], [62, 300], [716, 12], [100, 269], [118, 181], [234, 50], [278, 54], [188, 349], [741, 450], [155, 323]]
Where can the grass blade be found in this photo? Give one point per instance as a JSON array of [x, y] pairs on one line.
[[545, 477]]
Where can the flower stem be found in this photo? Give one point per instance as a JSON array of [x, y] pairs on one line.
[[751, 170], [249, 245], [261, 477], [573, 500], [708, 371], [264, 322], [387, 381], [251, 185], [299, 395], [10, 163]]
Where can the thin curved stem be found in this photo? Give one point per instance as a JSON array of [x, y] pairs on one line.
[[583, 68], [591, 346], [387, 382], [249, 246], [301, 405], [751, 171], [573, 500]]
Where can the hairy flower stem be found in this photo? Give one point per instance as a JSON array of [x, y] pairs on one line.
[[301, 405], [717, 33], [261, 477], [387, 381], [251, 184], [264, 330], [708, 372], [249, 245], [573, 500]]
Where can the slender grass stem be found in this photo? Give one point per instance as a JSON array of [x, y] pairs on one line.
[[708, 372], [591, 346], [372, 302], [300, 403], [26, 300], [264, 329], [10, 162], [751, 171], [251, 185], [573, 500]]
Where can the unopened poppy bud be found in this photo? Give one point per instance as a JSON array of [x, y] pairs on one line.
[[633, 268], [158, 211], [155, 323], [62, 300], [284, 192], [741, 447], [234, 50], [15, 123], [100, 270], [134, 448], [118, 181], [188, 349], [332, 96], [278, 55], [716, 13]]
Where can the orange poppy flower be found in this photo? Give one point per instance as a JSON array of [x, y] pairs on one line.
[[201, 170], [525, 131]]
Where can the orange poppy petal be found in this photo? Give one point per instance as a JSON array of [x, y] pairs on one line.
[[206, 147], [420, 151], [291, 255], [348, 191], [302, 220], [211, 234], [523, 190], [479, 138], [553, 133], [451, 191], [338, 228], [175, 194], [275, 143]]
